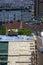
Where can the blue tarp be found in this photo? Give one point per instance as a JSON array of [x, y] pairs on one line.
[[14, 38]]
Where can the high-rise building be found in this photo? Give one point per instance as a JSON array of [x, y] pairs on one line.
[[16, 10], [38, 8]]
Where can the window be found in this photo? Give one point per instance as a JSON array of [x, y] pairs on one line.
[[3, 52], [3, 47], [31, 43], [14, 17], [31, 48], [3, 63]]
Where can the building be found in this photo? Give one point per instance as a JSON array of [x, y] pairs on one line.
[[41, 8], [38, 8], [18, 50], [16, 10]]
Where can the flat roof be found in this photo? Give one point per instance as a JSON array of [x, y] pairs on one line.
[[16, 38]]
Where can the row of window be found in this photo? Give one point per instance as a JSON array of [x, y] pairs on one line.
[[15, 15], [16, 2]]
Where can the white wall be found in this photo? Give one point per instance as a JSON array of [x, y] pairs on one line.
[[19, 48]]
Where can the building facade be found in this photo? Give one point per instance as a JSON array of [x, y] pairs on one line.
[[19, 52], [38, 8], [41, 8], [16, 10]]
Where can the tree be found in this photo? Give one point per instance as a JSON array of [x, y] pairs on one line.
[[24, 32], [42, 19], [2, 30]]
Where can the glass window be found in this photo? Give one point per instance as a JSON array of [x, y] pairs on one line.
[[3, 47], [3, 63], [3, 52]]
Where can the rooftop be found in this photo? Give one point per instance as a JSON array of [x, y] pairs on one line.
[[17, 24], [16, 38]]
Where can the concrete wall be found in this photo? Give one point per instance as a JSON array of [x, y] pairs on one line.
[[19, 52]]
